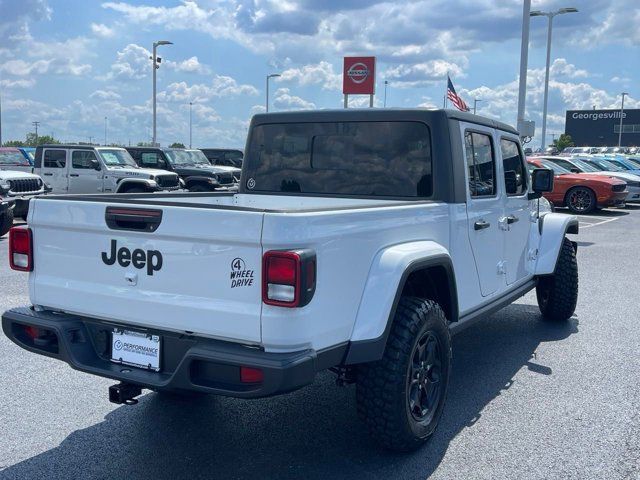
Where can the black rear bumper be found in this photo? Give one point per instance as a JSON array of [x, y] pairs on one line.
[[188, 363]]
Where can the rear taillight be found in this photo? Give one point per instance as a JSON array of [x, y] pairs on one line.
[[21, 249], [288, 278]]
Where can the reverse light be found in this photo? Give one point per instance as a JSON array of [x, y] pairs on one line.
[[21, 249], [288, 278]]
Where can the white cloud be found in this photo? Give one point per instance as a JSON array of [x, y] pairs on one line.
[[321, 73], [422, 74], [20, 83], [283, 100], [101, 30], [190, 65], [20, 68], [132, 63], [221, 86], [105, 95]]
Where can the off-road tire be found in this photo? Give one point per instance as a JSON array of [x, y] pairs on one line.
[[588, 203], [136, 190], [382, 387], [558, 293], [6, 222]]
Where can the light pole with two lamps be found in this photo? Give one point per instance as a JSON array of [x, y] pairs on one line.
[[549, 15]]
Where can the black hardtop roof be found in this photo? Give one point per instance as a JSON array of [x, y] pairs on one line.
[[378, 114]]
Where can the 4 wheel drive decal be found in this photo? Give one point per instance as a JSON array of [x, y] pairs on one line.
[[152, 259], [240, 276]]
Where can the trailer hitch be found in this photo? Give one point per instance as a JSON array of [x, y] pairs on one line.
[[124, 393]]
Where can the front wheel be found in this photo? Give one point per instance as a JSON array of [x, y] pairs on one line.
[[6, 222], [198, 187], [581, 200], [400, 397], [557, 294]]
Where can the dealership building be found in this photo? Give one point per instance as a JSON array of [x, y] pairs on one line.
[[600, 128]]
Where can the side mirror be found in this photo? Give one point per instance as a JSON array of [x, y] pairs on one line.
[[511, 181], [541, 181], [575, 170], [162, 164], [95, 164]]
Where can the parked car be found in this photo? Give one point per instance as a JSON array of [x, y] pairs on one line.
[[228, 157], [577, 165], [195, 171], [16, 191], [12, 158], [584, 150], [364, 260], [614, 150], [90, 169], [624, 163], [581, 193], [235, 171]]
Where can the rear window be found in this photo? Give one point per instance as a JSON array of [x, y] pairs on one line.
[[342, 158]]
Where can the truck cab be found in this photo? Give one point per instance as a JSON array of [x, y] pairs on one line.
[[91, 169]]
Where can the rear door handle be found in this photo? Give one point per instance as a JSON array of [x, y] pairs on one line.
[[48, 174], [481, 225], [74, 175], [512, 219]]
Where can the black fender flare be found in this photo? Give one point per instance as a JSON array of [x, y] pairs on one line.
[[364, 351]]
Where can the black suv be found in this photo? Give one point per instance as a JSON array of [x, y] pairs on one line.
[[226, 157], [191, 165]]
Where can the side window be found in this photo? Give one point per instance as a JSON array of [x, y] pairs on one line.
[[149, 159], [512, 161], [481, 164], [55, 158], [82, 159], [564, 163]]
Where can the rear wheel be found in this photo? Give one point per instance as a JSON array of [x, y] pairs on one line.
[[581, 200], [6, 222], [557, 294], [401, 396]]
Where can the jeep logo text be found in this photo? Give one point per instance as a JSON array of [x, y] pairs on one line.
[[152, 259]]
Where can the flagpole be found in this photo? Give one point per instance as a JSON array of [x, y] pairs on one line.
[[444, 103]]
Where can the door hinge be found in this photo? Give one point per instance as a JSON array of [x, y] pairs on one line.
[[532, 254], [503, 224]]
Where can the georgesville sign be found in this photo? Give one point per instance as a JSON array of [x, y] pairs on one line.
[[359, 76]]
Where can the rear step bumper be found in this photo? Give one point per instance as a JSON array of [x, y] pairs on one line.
[[188, 363]]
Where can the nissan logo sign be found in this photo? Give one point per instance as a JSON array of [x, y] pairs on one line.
[[358, 72]]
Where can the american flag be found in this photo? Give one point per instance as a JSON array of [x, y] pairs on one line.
[[455, 99]]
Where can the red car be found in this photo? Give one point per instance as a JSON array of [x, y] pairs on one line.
[[581, 193]]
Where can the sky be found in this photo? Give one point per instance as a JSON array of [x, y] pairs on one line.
[[68, 64]]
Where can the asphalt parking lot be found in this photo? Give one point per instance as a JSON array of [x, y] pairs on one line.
[[528, 399]]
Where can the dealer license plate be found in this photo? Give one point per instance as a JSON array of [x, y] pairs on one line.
[[136, 349]]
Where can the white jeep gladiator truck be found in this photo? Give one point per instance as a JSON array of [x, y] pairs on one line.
[[359, 241]]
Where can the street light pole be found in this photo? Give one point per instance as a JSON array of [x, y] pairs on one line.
[[273, 75], [155, 66], [105, 131], [550, 16], [524, 60], [475, 102], [385, 93], [190, 122], [621, 115]]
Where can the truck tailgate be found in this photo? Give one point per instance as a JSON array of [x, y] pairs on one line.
[[199, 271]]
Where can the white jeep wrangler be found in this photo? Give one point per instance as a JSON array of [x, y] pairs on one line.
[[89, 169], [16, 190], [360, 241]]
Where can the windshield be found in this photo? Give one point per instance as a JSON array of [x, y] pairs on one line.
[[619, 164], [117, 158], [634, 161], [12, 158], [603, 165], [197, 157], [557, 169], [584, 166]]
